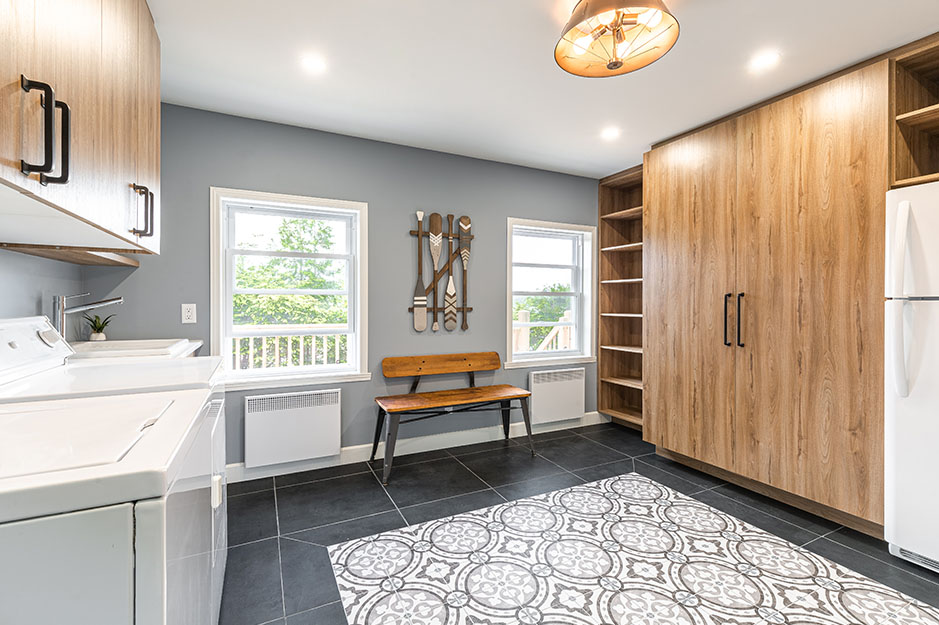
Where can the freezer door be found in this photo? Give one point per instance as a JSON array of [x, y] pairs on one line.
[[912, 244], [911, 426]]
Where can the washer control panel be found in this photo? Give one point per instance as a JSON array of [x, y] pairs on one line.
[[29, 345]]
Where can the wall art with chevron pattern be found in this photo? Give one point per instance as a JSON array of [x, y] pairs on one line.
[[449, 268]]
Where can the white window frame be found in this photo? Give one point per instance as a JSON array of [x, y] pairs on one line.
[[587, 300], [221, 199]]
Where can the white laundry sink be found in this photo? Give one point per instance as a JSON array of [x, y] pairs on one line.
[[154, 348]]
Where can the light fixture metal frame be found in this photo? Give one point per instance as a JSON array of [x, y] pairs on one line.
[[588, 9]]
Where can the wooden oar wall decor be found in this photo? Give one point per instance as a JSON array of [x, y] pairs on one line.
[[446, 266]]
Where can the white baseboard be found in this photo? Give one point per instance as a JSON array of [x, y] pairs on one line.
[[360, 453]]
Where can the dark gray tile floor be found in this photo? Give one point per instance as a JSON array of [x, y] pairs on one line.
[[279, 572]]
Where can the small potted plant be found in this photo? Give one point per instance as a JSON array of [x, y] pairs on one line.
[[97, 325]]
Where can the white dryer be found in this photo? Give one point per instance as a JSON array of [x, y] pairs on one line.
[[112, 506]]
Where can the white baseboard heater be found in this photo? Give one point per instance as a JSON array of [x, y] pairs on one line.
[[556, 395], [287, 427]]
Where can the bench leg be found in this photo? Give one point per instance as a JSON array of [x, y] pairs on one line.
[[390, 439], [506, 417], [531, 443], [379, 424]]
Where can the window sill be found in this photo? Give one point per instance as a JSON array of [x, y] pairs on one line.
[[547, 362], [253, 383]]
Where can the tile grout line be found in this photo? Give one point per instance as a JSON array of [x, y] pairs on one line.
[[587, 438], [390, 498], [826, 534], [308, 610], [890, 564], [477, 477], [280, 559]]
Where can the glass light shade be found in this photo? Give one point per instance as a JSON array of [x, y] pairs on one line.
[[614, 37]]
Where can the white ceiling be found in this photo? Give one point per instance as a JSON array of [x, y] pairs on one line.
[[478, 77]]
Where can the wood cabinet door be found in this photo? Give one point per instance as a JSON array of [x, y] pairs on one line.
[[18, 110], [116, 152], [688, 264], [148, 120], [67, 53], [812, 178]]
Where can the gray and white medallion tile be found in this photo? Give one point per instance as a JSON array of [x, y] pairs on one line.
[[620, 551]]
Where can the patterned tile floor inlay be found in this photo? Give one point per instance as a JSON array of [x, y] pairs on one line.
[[620, 551]]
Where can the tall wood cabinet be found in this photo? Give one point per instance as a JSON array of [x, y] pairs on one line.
[[776, 216], [102, 58], [688, 257]]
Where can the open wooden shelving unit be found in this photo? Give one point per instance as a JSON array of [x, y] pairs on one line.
[[915, 117], [619, 361]]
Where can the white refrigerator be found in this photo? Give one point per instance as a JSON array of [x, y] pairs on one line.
[[911, 350]]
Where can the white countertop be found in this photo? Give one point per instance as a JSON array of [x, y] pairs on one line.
[[95, 378]]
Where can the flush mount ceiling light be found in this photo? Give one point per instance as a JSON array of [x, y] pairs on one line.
[[764, 61], [313, 63], [610, 133], [614, 37]]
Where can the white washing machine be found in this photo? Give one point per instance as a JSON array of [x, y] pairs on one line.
[[112, 506]]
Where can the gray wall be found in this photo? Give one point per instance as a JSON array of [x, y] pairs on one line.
[[202, 149], [28, 283]]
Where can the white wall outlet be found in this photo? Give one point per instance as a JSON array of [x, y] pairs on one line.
[[189, 313]]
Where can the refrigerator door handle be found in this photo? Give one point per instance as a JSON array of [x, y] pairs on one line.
[[900, 236], [900, 380]]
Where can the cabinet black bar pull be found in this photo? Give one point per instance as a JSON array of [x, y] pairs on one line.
[[727, 297], [62, 178], [48, 125], [740, 319], [151, 222], [145, 192]]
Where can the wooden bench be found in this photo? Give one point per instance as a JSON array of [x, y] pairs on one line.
[[420, 406]]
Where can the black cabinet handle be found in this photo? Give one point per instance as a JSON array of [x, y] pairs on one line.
[[48, 125], [151, 222], [727, 297], [62, 178], [145, 192], [740, 319]]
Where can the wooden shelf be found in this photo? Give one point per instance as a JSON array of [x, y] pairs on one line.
[[628, 247], [628, 415], [622, 281], [635, 383], [906, 182], [629, 213], [926, 118], [630, 349], [619, 358], [73, 255]]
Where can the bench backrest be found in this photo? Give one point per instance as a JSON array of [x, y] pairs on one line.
[[406, 366]]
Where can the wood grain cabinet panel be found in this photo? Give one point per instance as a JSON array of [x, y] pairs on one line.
[[102, 58], [796, 224], [148, 118], [688, 263]]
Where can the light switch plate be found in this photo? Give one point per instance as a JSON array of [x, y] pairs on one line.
[[189, 313]]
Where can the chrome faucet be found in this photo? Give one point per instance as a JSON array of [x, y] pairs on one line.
[[59, 311]]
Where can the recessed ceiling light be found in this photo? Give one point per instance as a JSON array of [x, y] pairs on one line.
[[313, 63], [610, 133], [764, 61]]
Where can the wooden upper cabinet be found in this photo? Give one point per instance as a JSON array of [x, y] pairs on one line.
[[100, 57], [148, 119], [812, 177], [688, 264], [117, 103]]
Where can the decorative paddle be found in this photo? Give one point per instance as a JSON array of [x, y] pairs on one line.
[[465, 227], [436, 244], [420, 295], [449, 298]]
